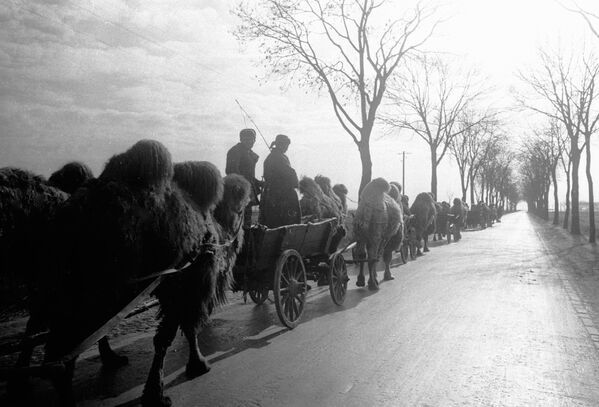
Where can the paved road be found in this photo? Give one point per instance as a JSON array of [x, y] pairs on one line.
[[509, 316]]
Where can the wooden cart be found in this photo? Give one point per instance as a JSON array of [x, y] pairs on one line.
[[284, 258]]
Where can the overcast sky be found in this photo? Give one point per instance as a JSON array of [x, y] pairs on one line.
[[83, 80]]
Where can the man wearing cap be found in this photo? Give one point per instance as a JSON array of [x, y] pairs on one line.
[[280, 204], [241, 159]]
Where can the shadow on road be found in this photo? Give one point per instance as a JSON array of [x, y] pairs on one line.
[[237, 328]]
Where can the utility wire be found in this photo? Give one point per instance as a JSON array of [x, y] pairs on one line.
[[253, 122]]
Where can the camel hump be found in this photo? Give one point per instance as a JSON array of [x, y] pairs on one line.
[[201, 180], [147, 164], [374, 190], [71, 176], [236, 189]]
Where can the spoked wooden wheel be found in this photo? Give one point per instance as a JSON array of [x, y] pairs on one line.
[[259, 295], [338, 279], [290, 287]]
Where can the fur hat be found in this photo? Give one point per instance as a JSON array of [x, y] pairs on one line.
[[281, 139], [245, 133]]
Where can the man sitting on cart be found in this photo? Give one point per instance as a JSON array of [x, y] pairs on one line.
[[279, 204]]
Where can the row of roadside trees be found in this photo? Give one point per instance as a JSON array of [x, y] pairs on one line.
[[360, 57], [565, 89]]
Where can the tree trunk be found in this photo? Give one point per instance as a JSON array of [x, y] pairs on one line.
[[366, 160], [471, 189], [482, 188], [567, 212], [531, 206], [555, 196], [434, 174], [591, 197], [463, 182], [546, 202], [575, 208]]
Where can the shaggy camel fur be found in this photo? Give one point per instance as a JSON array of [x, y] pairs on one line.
[[33, 204], [70, 177], [377, 220], [188, 298], [27, 203], [424, 212], [325, 185], [396, 240], [315, 203], [341, 191], [127, 224]]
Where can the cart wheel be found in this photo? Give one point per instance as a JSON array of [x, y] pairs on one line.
[[449, 232], [290, 287], [404, 253], [338, 279], [259, 295]]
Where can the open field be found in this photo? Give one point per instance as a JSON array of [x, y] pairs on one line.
[[584, 219]]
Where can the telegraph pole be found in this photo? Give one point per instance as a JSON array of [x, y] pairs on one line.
[[403, 171]]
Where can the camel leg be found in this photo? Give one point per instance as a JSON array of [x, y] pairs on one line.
[[387, 256], [360, 282], [373, 283], [17, 385], [110, 359], [34, 325], [64, 385], [425, 243], [359, 253], [197, 364], [153, 390]]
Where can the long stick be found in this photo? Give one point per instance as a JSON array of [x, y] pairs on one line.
[[253, 122]]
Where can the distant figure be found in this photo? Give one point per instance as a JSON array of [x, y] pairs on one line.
[[280, 204], [241, 159], [457, 210]]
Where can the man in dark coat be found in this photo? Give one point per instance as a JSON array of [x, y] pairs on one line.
[[241, 159], [280, 204]]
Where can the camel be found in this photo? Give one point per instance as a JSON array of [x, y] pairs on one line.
[[314, 203], [424, 212], [377, 220]]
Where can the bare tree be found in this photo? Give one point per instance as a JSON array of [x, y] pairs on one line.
[[535, 171], [459, 150], [592, 19], [345, 47], [566, 88], [466, 145], [566, 161], [480, 149], [431, 100], [493, 164], [589, 120], [553, 140]]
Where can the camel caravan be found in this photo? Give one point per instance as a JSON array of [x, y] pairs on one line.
[[85, 248]]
